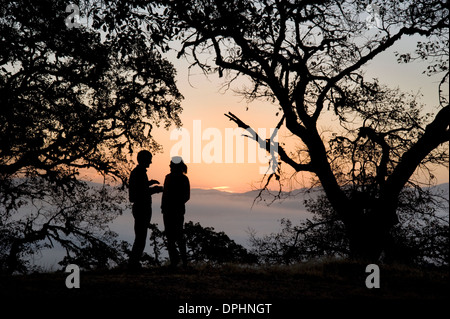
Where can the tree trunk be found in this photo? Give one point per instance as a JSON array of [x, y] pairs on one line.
[[12, 261], [369, 229], [366, 238]]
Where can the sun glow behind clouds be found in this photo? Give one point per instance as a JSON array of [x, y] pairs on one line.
[[208, 101], [223, 189]]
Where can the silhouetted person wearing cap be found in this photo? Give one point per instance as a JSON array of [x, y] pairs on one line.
[[176, 193], [140, 194]]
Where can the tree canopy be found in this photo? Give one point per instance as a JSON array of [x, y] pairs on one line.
[[72, 98], [308, 58], [86, 96]]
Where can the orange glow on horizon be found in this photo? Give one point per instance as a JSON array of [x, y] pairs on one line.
[[205, 100]]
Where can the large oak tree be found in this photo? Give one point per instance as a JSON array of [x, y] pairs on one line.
[[308, 58], [71, 98]]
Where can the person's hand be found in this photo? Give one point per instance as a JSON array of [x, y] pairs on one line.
[[153, 182], [158, 189]]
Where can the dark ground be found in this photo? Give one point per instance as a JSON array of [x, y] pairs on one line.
[[311, 285]]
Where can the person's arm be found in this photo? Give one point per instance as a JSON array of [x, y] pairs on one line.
[[132, 188], [155, 189], [187, 189], [164, 195]]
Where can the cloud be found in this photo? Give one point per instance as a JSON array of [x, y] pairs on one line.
[[232, 213]]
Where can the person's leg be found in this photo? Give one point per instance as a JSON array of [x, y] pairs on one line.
[[181, 241], [173, 253], [171, 240], [142, 216]]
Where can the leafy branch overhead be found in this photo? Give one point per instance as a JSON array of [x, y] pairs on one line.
[[86, 97], [308, 58], [72, 100]]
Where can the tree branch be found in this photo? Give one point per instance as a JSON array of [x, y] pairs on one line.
[[378, 139], [436, 133], [266, 144], [363, 60]]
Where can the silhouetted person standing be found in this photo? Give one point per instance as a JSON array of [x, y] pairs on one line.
[[140, 194], [176, 193]]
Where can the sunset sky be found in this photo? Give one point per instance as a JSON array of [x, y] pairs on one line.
[[207, 101]]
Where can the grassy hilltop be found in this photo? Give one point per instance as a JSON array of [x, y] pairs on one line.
[[329, 280]]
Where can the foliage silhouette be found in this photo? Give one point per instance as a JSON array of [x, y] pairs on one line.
[[308, 58], [73, 102], [204, 245], [420, 239]]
